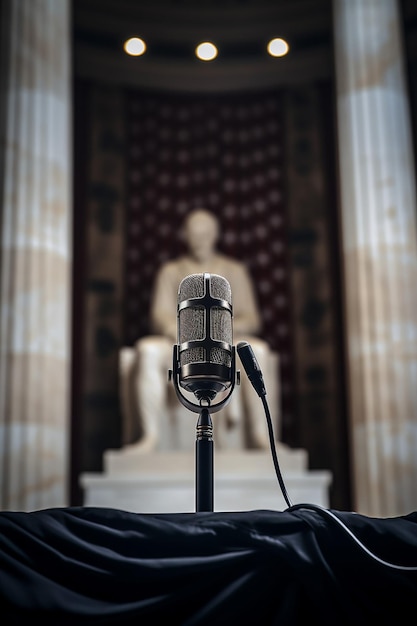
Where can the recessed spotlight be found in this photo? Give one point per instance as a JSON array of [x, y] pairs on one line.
[[134, 46], [278, 47], [206, 51]]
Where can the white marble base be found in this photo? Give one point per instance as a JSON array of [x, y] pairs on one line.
[[164, 482]]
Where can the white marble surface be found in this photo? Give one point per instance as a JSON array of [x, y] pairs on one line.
[[164, 482]]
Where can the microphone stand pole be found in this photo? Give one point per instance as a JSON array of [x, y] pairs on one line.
[[204, 462], [204, 433]]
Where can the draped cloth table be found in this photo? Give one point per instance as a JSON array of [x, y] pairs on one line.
[[89, 565]]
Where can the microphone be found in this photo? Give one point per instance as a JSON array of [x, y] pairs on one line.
[[205, 354]]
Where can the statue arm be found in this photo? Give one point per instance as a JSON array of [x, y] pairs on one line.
[[246, 317], [163, 314]]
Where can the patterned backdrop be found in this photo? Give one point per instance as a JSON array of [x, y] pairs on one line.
[[223, 153]]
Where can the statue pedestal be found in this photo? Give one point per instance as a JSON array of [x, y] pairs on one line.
[[164, 481]]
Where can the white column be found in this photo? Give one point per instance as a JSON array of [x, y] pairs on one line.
[[35, 257], [378, 208]]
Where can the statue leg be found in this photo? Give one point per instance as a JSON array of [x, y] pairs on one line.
[[154, 358]]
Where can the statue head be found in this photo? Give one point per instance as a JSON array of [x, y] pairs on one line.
[[201, 232]]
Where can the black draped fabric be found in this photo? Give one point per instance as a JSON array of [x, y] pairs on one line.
[[87, 565]]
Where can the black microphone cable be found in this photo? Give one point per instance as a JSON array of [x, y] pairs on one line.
[[254, 374], [329, 514]]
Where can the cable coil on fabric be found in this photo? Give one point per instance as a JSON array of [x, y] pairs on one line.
[[254, 373]]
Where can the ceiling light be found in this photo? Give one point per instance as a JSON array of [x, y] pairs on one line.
[[206, 51], [278, 47], [134, 46]]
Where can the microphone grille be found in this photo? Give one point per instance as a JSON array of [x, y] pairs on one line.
[[191, 327], [191, 287], [192, 319]]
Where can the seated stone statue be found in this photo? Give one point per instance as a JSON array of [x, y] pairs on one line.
[[154, 352]]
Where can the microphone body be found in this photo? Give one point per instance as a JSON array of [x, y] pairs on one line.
[[205, 350]]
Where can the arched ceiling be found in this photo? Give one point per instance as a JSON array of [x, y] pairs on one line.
[[240, 29], [172, 29]]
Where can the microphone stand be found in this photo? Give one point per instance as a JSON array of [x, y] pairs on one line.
[[204, 445]]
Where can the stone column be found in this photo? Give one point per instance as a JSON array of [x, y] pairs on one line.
[[378, 215], [35, 278]]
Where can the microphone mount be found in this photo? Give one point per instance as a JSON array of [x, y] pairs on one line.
[[205, 393], [204, 491]]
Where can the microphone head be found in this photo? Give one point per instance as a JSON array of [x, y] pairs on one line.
[[205, 334]]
